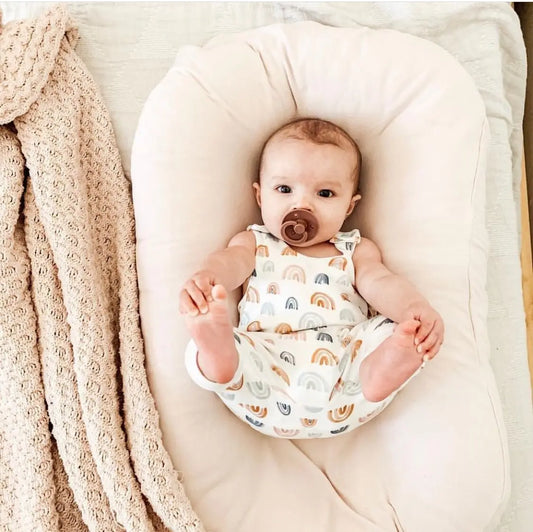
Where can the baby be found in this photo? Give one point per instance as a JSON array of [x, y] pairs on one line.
[[305, 360]]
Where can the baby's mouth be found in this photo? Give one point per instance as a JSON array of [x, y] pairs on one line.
[[299, 226]]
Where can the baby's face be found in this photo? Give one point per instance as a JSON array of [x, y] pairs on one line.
[[299, 174]]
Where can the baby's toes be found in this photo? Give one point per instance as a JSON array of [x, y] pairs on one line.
[[219, 293], [407, 328]]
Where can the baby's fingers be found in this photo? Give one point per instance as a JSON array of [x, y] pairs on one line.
[[187, 305], [428, 345], [205, 285], [428, 355], [197, 296], [423, 332]]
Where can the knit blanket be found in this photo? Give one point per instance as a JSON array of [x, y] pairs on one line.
[[80, 444]]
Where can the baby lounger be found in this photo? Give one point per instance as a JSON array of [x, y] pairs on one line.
[[437, 458]]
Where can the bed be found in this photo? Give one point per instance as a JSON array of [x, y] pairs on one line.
[[118, 41]]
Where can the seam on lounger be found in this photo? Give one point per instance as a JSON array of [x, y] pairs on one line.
[[397, 525], [496, 417], [475, 184]]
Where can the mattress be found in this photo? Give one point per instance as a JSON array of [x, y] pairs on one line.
[[128, 47]]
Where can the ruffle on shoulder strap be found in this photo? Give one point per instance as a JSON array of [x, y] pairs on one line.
[[28, 51], [258, 228], [346, 241]]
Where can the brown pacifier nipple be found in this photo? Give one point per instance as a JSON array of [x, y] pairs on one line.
[[299, 226]]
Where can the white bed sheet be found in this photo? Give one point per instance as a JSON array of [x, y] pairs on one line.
[[129, 47]]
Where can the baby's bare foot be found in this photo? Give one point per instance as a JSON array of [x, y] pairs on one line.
[[212, 333], [391, 363]]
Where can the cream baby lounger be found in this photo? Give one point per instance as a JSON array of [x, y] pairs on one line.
[[436, 458]]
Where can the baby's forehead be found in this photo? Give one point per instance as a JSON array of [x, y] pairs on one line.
[[271, 152], [284, 139]]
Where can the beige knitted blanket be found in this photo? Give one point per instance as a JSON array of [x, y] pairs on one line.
[[80, 444]]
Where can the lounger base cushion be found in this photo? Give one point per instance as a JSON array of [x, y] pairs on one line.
[[436, 458]]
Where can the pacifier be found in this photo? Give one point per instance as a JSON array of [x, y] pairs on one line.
[[299, 226]]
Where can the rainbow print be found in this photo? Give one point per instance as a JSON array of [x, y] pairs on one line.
[[352, 388], [347, 315], [257, 360], [288, 251], [321, 278], [280, 373], [261, 390], [338, 262], [294, 273], [322, 300], [286, 433], [254, 326], [311, 320], [355, 348], [268, 266], [338, 431], [324, 357], [308, 422], [287, 357], [254, 421], [312, 381], [261, 251], [267, 309], [252, 295], [346, 340], [250, 341], [237, 385], [245, 318], [291, 304], [273, 288], [257, 411], [340, 414], [285, 409], [345, 330], [324, 337], [283, 328]]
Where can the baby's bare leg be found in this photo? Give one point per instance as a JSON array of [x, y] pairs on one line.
[[385, 369], [212, 333]]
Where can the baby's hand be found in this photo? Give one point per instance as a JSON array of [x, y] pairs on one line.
[[430, 333], [195, 295]]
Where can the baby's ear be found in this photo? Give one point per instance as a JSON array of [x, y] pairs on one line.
[[353, 202], [257, 189]]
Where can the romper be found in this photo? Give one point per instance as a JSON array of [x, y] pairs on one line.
[[302, 335]]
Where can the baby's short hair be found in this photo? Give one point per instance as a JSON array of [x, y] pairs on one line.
[[320, 132]]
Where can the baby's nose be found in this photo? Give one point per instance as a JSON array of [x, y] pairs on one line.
[[303, 203]]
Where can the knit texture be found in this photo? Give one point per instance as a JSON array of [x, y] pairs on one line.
[[80, 444]]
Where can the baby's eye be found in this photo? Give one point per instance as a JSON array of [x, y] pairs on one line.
[[325, 193], [284, 189]]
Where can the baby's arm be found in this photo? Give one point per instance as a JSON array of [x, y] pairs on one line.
[[395, 297], [229, 267]]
